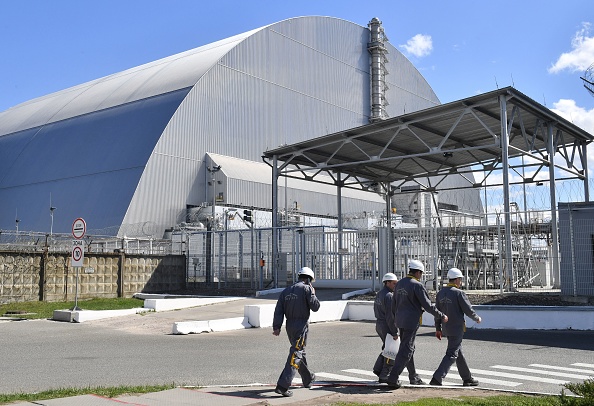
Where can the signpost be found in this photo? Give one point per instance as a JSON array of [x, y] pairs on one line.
[[79, 229]]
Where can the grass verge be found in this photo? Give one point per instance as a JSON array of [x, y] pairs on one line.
[[512, 400], [45, 310], [69, 392]]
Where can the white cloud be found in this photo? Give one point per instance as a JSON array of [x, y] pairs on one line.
[[420, 45], [581, 56], [581, 117]]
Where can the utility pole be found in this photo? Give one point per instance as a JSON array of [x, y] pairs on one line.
[[51, 208]]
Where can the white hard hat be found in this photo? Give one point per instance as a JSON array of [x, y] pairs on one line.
[[389, 277], [416, 265], [307, 272], [455, 273]]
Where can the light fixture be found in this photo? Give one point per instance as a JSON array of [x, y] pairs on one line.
[[448, 154]]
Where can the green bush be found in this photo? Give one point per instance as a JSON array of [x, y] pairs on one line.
[[584, 389]]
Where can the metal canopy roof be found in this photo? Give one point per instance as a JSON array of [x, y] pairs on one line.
[[441, 140]]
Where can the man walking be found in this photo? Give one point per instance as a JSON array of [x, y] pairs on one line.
[[408, 302], [453, 302], [295, 303], [384, 325]]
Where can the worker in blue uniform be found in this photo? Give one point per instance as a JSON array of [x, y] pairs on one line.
[[295, 304], [408, 302], [452, 301]]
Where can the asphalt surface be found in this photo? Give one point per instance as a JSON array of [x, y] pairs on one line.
[[240, 367]]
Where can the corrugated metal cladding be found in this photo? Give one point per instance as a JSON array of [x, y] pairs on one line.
[[280, 84], [241, 179]]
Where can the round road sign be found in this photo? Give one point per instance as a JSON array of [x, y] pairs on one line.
[[77, 254], [79, 228]]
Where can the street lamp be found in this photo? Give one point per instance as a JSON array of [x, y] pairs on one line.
[[52, 208]]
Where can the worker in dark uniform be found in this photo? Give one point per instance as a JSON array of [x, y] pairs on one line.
[[453, 302], [294, 304], [384, 325], [408, 302]]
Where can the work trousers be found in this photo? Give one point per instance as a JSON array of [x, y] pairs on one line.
[[296, 361], [405, 357], [453, 354]]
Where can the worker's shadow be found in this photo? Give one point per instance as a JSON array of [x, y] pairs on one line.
[[316, 390]]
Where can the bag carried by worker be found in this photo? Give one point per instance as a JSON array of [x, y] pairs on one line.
[[391, 347]]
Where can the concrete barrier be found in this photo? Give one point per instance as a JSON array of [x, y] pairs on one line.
[[345, 284], [161, 305], [355, 293], [259, 315], [269, 291], [208, 326], [493, 317], [80, 316]]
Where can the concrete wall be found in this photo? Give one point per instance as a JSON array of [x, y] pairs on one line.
[[26, 276]]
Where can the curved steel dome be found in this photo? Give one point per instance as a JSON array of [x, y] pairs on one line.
[[132, 148]]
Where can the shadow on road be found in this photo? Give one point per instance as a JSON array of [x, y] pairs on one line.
[[571, 339]]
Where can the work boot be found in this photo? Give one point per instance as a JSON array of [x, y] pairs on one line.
[[313, 378], [470, 382], [394, 385], [417, 381], [285, 392], [434, 382]]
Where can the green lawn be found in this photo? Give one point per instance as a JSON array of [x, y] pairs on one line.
[[69, 392], [45, 310]]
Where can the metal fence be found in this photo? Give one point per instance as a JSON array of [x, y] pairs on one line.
[[29, 241], [244, 257]]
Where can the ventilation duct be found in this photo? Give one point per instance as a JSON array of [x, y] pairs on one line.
[[378, 51]]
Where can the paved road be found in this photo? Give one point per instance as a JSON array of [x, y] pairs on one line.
[[39, 355]]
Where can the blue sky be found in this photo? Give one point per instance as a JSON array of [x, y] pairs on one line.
[[462, 48]]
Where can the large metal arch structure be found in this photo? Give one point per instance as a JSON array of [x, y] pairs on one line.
[[484, 131]]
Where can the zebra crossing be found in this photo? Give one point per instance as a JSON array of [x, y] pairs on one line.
[[502, 376]]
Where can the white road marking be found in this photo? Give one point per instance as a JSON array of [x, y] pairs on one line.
[[583, 365], [541, 372], [516, 376], [341, 377], [447, 383], [585, 371], [359, 371]]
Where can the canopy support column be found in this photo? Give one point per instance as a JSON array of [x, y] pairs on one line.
[[275, 234], [509, 261], [553, 196]]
